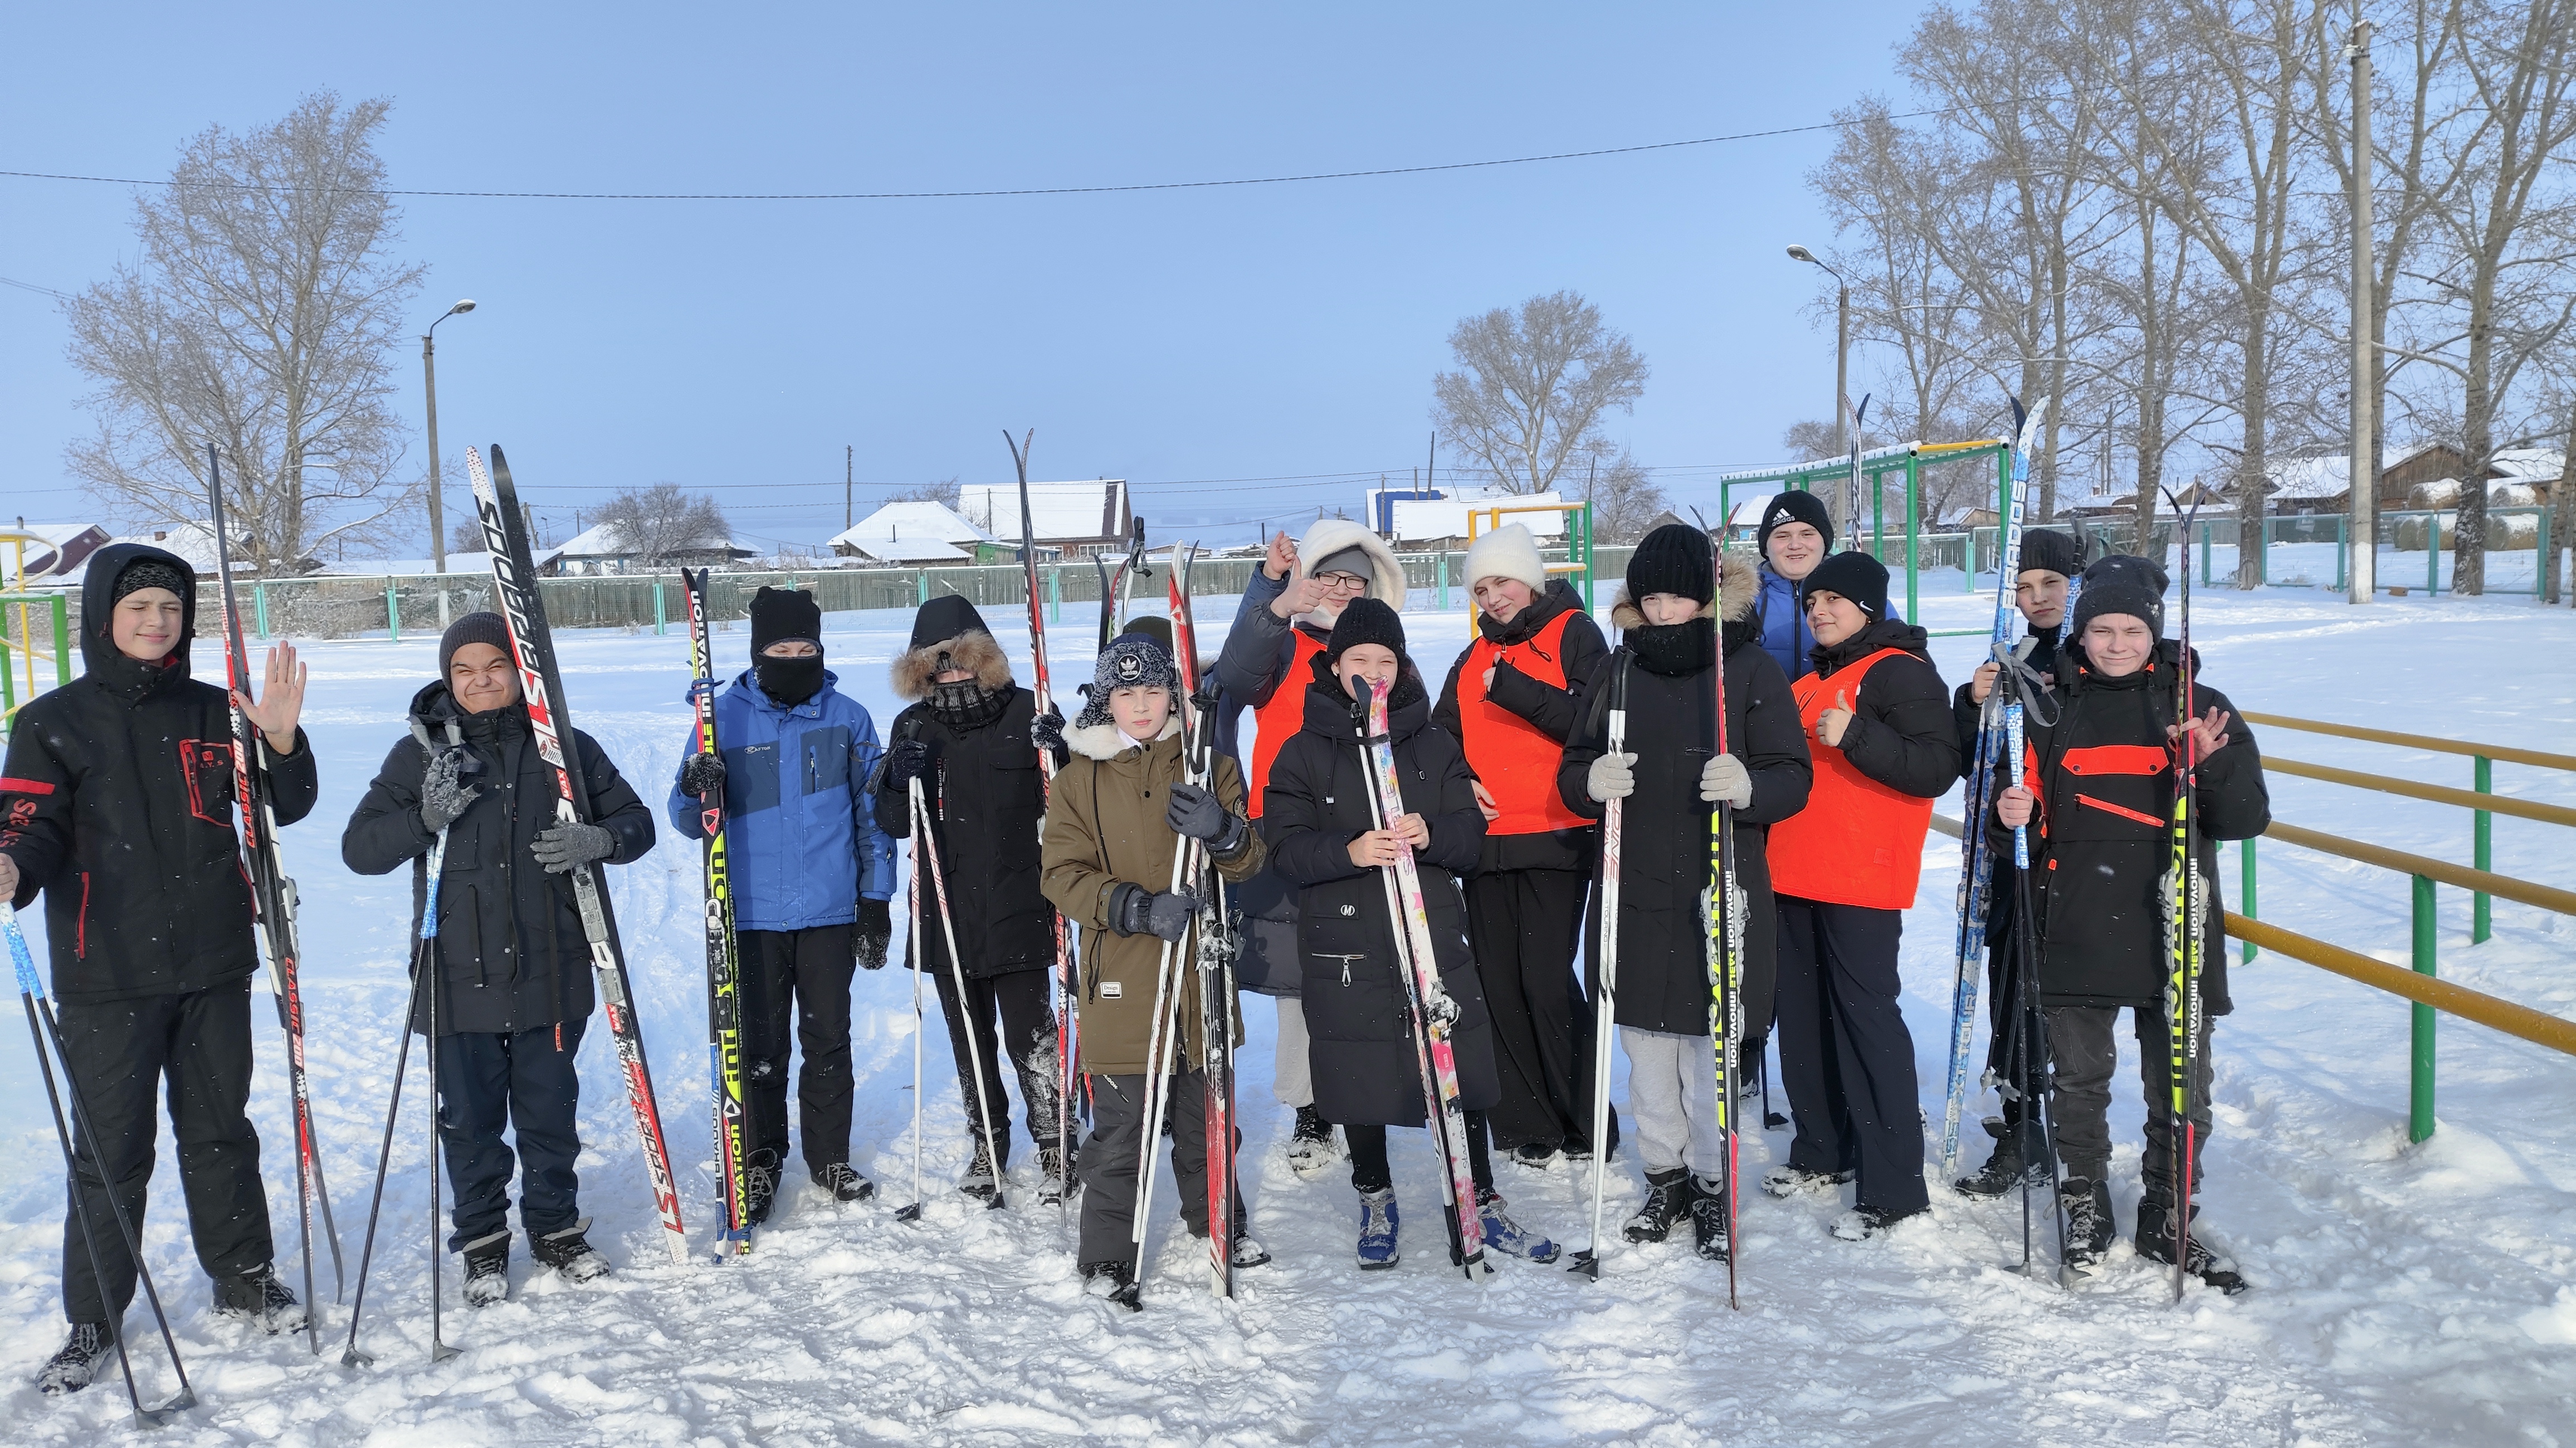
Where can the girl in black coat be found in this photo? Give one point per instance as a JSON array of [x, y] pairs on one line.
[[1663, 997], [1361, 1041], [512, 975]]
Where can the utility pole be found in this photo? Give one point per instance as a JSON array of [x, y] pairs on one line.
[[2363, 525], [429, 391], [849, 471]]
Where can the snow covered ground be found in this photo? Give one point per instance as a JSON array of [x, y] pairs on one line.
[[2401, 1294]]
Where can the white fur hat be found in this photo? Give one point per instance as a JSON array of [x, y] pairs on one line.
[[1507, 552]]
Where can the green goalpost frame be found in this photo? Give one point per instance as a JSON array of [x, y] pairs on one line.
[[1908, 458]]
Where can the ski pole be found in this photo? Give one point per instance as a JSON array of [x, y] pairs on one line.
[[1606, 972], [957, 978], [912, 947], [424, 962]]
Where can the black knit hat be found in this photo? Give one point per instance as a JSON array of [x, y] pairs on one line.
[[1133, 660], [2121, 583], [778, 614], [1855, 576], [1366, 621], [946, 617], [1673, 559], [1792, 506], [1153, 627], [145, 573], [2058, 553], [474, 628]]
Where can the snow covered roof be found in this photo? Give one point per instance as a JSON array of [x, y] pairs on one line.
[[915, 521], [2531, 464], [1058, 512], [2323, 477], [62, 548], [924, 549], [597, 541], [1447, 517]]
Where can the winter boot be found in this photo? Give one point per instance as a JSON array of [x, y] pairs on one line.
[[2011, 1166], [1788, 1181], [842, 1182], [1507, 1236], [258, 1298], [570, 1253], [2088, 1219], [1864, 1222], [1312, 1151], [1748, 1069], [2156, 1243], [1538, 1155], [1377, 1250], [1113, 1281], [1056, 1174], [1708, 1220], [980, 1179], [487, 1269], [82, 1358], [1667, 1197], [759, 1186], [1248, 1252]]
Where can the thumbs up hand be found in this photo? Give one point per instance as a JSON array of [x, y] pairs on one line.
[[1834, 722]]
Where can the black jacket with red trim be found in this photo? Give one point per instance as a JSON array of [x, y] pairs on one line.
[[2102, 843], [117, 803]]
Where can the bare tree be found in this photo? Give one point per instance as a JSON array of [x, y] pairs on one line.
[[260, 318], [662, 521], [1625, 500], [1532, 387], [467, 537], [944, 493]]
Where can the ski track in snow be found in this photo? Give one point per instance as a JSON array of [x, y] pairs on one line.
[[2401, 1293]]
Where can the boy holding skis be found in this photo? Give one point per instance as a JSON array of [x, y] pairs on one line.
[[810, 875], [1662, 996], [2098, 800], [1124, 802], [1324, 839], [966, 737], [1845, 869], [117, 803], [511, 976]]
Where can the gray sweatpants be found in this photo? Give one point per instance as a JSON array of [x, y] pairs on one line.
[[1110, 1158], [2086, 1052], [1292, 1078], [1672, 1099]]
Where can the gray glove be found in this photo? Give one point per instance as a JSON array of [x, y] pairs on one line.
[[1194, 812], [1611, 778], [444, 793], [1723, 778], [565, 846], [1135, 910], [1046, 731]]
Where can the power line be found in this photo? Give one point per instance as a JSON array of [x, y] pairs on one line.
[[1015, 190], [32, 287]]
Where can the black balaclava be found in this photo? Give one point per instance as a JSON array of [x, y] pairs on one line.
[[779, 615]]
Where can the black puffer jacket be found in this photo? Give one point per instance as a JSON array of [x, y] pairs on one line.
[[985, 796], [1663, 982], [1901, 733], [511, 953], [1360, 1038], [2102, 844], [1551, 710], [117, 802]]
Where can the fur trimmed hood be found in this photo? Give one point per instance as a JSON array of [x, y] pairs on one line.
[[1328, 536], [1105, 742], [974, 649], [1738, 593]]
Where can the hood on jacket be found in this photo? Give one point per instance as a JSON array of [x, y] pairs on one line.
[[1329, 536], [747, 683], [1885, 633], [1105, 742], [973, 649], [98, 587], [1736, 595]]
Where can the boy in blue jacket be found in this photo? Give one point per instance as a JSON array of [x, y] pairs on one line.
[[811, 877]]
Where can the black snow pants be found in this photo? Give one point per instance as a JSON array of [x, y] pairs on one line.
[[2003, 981], [1845, 1054], [1021, 1001], [798, 978], [119, 1052], [2088, 1056], [526, 1082], [1524, 927], [1113, 1154]]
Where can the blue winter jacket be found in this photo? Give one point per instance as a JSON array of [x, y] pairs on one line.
[[802, 838], [1782, 625]]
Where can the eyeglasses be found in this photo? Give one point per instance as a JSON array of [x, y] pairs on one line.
[[1342, 582]]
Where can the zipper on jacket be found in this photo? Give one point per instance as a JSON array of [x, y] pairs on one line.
[[1345, 960], [80, 928], [2123, 811]]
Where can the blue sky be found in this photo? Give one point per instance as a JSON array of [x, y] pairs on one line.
[[1260, 333]]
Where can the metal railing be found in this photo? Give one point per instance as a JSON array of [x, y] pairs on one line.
[[18, 659]]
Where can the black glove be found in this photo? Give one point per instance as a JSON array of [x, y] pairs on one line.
[[1046, 731], [565, 846], [702, 774], [1135, 910], [876, 928], [444, 792], [907, 761], [1194, 812]]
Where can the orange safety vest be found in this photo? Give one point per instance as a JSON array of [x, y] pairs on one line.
[[1857, 842], [1513, 758], [1277, 722]]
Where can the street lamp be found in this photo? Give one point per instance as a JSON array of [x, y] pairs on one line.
[[1842, 341], [429, 384]]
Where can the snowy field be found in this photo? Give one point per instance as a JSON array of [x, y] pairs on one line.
[[2401, 1294]]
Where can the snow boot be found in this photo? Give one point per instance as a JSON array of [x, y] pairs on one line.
[[487, 1269], [1312, 1151], [1667, 1197], [1748, 1069], [1537, 1155], [1708, 1220], [258, 1298], [1248, 1252], [2088, 1219], [759, 1186], [570, 1253], [1377, 1250], [2011, 1166], [1864, 1222], [1056, 1171], [83, 1356], [980, 1179], [1113, 1282], [1507, 1236], [2156, 1243], [1788, 1181], [842, 1182]]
